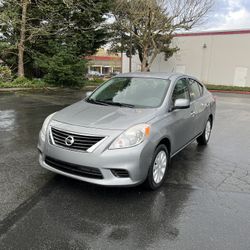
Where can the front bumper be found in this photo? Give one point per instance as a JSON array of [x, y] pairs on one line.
[[135, 160]]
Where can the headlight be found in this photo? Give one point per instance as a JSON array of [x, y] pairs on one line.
[[45, 125], [131, 137]]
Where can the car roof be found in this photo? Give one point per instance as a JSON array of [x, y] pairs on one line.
[[159, 75]]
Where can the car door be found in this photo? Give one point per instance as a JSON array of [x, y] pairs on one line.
[[182, 119], [198, 105]]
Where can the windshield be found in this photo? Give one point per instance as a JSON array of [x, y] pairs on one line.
[[131, 92]]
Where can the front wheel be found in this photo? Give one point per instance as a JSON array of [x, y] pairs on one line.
[[158, 169], [205, 136]]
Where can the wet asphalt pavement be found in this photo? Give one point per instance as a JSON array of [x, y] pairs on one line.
[[204, 204]]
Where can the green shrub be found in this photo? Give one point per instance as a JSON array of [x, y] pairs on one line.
[[62, 68], [95, 81], [227, 87], [38, 82], [22, 82], [5, 74]]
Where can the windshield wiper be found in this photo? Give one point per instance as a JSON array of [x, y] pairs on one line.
[[120, 104], [104, 102], [97, 102]]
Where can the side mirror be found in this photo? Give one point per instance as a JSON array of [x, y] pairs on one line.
[[181, 104], [88, 93]]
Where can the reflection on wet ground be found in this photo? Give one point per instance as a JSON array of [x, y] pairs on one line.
[[204, 203], [7, 120]]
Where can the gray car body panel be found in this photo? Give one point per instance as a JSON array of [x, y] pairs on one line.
[[104, 117], [179, 127]]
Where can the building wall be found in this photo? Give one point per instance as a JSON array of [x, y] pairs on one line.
[[104, 61], [221, 58]]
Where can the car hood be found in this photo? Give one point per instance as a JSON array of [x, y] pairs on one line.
[[103, 117]]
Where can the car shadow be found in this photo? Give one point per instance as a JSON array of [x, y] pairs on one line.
[[116, 215], [188, 166], [70, 214], [120, 216]]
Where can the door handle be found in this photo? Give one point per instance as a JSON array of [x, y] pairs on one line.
[[193, 113], [205, 104]]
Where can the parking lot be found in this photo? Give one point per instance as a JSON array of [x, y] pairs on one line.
[[204, 204]]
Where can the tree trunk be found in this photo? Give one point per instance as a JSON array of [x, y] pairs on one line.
[[144, 62], [21, 47], [145, 67]]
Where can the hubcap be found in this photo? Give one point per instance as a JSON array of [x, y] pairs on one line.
[[208, 130], [160, 165]]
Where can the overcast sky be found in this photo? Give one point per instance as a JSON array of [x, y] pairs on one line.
[[228, 14]]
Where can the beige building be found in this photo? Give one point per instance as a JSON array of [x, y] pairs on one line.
[[219, 57], [104, 62]]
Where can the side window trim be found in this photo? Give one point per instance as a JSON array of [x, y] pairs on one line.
[[189, 87], [187, 79], [202, 87]]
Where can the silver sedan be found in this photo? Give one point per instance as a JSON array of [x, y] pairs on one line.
[[128, 129]]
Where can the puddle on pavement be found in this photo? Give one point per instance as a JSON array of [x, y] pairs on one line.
[[7, 120]]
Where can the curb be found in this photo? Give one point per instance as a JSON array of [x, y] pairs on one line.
[[13, 89], [85, 88], [230, 91], [24, 89]]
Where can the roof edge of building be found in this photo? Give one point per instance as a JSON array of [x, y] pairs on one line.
[[214, 33]]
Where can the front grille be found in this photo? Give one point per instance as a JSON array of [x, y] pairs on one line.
[[120, 173], [81, 142], [71, 168]]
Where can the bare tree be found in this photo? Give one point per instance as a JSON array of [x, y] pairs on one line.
[[151, 24]]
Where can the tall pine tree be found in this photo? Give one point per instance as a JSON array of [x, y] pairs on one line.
[[37, 32]]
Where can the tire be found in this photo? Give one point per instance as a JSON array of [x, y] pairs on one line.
[[205, 136], [157, 167]]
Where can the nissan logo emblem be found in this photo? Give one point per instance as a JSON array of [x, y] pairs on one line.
[[69, 140]]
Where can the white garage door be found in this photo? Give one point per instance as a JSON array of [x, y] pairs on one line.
[[240, 76]]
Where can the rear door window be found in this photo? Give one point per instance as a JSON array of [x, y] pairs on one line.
[[196, 90]]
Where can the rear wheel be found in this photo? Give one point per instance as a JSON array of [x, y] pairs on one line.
[[205, 136], [158, 169]]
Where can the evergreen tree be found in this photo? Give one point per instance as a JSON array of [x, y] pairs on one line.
[[36, 30]]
